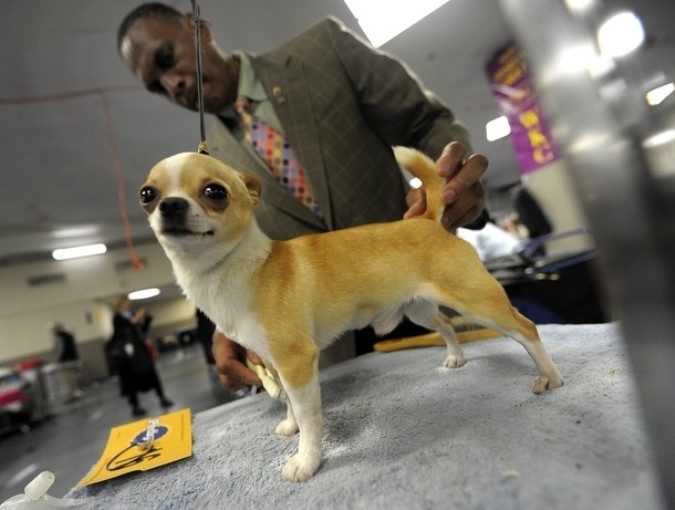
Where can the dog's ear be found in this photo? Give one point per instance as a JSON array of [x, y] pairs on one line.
[[253, 186]]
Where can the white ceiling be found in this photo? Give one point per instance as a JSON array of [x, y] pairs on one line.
[[68, 106]]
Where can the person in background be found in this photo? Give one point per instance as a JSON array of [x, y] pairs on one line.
[[204, 332], [131, 356], [64, 343], [491, 241], [532, 216], [339, 104]]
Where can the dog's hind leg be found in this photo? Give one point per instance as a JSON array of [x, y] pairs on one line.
[[427, 315], [289, 426], [483, 300], [526, 334], [510, 322]]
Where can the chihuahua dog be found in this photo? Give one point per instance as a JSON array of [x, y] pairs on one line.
[[288, 300]]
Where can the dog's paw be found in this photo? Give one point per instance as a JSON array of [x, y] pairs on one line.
[[543, 383], [299, 469], [454, 361], [286, 428]]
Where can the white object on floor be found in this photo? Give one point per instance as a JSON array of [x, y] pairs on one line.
[[35, 496]]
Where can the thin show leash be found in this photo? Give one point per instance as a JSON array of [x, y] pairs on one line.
[[202, 149], [265, 376], [148, 439]]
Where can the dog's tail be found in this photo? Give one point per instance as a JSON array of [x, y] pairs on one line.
[[424, 168]]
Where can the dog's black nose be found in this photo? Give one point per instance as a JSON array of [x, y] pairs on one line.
[[173, 207]]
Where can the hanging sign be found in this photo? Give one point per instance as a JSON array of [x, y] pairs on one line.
[[515, 94]]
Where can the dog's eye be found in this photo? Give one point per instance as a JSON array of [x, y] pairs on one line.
[[147, 195], [215, 192]]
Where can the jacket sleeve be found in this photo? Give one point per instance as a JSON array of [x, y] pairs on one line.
[[392, 98]]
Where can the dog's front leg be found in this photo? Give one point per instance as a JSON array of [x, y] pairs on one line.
[[305, 405]]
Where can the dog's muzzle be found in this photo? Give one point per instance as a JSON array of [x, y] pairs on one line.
[[173, 211], [174, 208]]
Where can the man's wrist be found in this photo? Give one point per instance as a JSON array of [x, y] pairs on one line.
[[479, 222]]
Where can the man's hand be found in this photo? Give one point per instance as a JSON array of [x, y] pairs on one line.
[[231, 366], [463, 194]]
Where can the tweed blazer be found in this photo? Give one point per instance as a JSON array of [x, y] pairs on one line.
[[342, 105]]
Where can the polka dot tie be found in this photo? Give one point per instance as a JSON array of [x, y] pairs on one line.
[[277, 154]]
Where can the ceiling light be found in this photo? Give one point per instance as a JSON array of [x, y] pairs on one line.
[[661, 138], [79, 251], [620, 34], [659, 94], [579, 5], [64, 233], [143, 294], [382, 20], [575, 57], [497, 128]]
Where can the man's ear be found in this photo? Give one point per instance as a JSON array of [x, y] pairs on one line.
[[204, 29], [252, 185]]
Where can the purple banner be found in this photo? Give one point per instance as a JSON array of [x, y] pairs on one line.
[[516, 97]]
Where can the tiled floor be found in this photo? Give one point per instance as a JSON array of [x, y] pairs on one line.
[[69, 443]]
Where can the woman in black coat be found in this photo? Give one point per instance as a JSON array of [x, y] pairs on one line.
[[131, 356]]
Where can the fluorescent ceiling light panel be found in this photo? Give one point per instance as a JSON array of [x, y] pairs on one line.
[[497, 128], [580, 5], [661, 138], [143, 294], [382, 20], [659, 94], [620, 35], [79, 251]]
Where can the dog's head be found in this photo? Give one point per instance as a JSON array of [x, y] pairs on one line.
[[194, 201]]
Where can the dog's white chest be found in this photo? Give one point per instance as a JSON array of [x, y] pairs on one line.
[[227, 302], [216, 280]]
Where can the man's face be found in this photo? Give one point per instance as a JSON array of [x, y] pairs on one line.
[[162, 56]]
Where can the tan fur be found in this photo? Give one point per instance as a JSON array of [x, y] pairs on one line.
[[288, 300], [422, 167]]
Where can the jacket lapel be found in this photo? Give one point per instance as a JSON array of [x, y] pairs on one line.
[[223, 146], [286, 89]]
